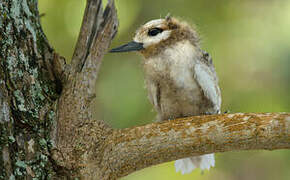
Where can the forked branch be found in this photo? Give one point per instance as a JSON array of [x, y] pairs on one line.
[[77, 132]]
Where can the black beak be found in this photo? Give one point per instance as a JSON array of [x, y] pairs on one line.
[[131, 46]]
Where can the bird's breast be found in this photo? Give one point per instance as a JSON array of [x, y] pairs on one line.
[[175, 65], [170, 78]]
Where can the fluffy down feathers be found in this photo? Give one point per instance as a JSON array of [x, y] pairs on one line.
[[189, 164]]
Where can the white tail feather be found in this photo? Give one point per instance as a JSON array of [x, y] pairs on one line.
[[189, 164]]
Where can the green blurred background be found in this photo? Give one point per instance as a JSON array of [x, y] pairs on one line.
[[249, 41]]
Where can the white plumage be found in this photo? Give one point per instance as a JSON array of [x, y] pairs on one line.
[[180, 77], [181, 81], [187, 165]]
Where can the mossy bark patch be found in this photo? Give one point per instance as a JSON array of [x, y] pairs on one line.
[[27, 95]]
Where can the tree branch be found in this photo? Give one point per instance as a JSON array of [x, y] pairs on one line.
[[98, 28], [135, 148], [76, 129]]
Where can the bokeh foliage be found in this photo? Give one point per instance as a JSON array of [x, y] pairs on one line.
[[249, 41]]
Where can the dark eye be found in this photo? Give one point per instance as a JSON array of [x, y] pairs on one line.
[[154, 31]]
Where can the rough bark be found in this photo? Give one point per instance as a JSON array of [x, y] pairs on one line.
[[79, 136], [131, 149], [28, 89], [46, 125]]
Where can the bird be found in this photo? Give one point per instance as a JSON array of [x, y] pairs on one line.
[[180, 77]]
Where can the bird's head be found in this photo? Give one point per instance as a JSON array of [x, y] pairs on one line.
[[156, 35]]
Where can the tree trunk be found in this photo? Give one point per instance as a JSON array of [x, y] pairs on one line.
[[33, 142], [29, 88]]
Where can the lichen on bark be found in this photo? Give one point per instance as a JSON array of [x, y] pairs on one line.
[[29, 89]]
